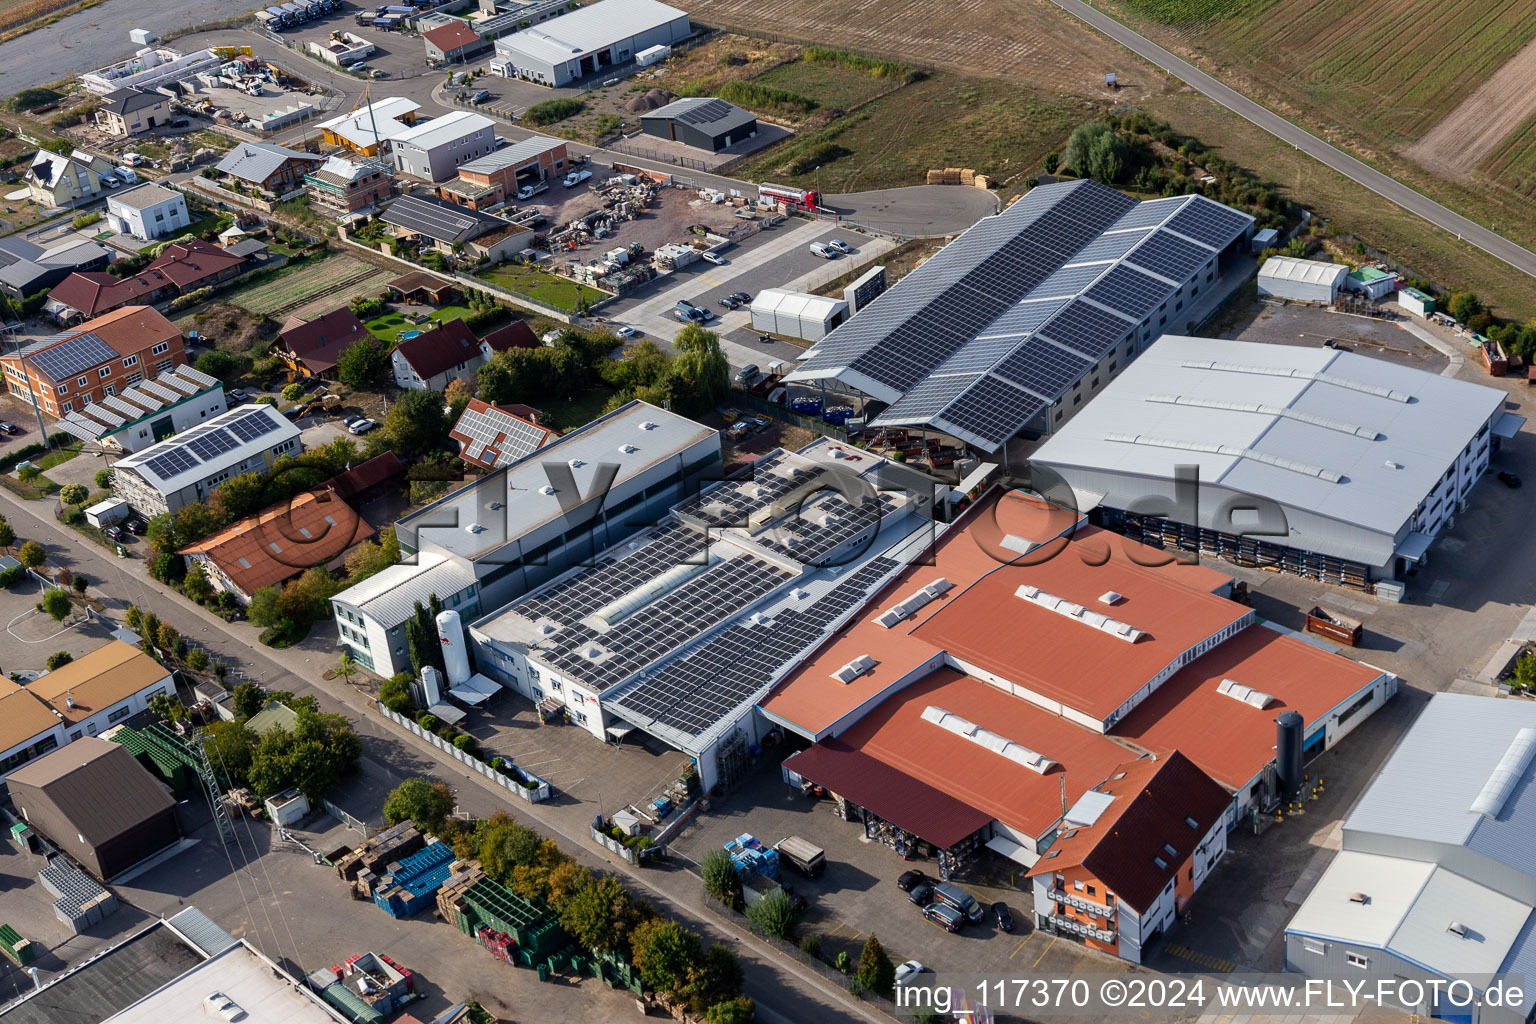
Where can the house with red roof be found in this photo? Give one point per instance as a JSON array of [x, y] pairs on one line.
[[430, 360], [312, 347], [454, 42], [182, 267]]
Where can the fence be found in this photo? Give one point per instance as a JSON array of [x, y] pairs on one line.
[[636, 857], [814, 424], [539, 793], [355, 824]]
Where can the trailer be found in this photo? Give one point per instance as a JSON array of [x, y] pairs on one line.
[[806, 857], [793, 198], [1335, 626], [387, 23]]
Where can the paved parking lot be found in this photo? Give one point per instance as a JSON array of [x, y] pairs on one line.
[[1275, 323]]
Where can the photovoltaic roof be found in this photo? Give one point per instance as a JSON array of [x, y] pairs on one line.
[[1047, 288], [81, 353]]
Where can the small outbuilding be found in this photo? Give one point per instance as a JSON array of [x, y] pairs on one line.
[[797, 314], [1371, 282], [1416, 302], [700, 122], [97, 804], [1269, 238], [1283, 277]]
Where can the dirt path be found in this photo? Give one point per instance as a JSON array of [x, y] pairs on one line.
[[1480, 122]]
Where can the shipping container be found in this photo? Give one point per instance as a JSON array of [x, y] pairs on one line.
[[1335, 626]]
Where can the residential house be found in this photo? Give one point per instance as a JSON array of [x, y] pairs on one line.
[[94, 361], [27, 268], [344, 187], [148, 212], [454, 42], [517, 334], [429, 361], [276, 170], [435, 149], [132, 112], [366, 131], [279, 543], [498, 176], [491, 436], [54, 179], [311, 348], [182, 267], [444, 225]]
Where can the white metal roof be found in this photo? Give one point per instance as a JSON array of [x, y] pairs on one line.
[[207, 449], [1341, 435], [440, 131], [513, 155], [589, 28], [653, 434], [1287, 268], [1389, 884], [389, 596], [243, 977], [1491, 921], [781, 302], [357, 127]]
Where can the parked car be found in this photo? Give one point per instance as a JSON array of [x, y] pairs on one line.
[[362, 426], [239, 395], [920, 894], [840, 245], [946, 917], [576, 178], [731, 302], [110, 181], [826, 252], [625, 331], [137, 526], [709, 257], [9, 427], [910, 879], [741, 297], [347, 421], [747, 374], [1004, 916], [907, 971], [481, 96], [1509, 480], [112, 532]]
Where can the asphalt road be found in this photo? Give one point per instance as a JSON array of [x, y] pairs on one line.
[[1388, 188]]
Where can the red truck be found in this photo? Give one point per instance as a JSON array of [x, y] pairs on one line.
[[792, 198]]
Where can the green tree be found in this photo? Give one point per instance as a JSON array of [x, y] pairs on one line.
[[56, 603], [218, 364], [701, 374], [739, 1010], [664, 952], [7, 535], [591, 913], [876, 972], [58, 659], [73, 494], [305, 599], [395, 693], [231, 748], [166, 637], [27, 474], [249, 699], [774, 914], [717, 976], [346, 668], [237, 498], [31, 554], [1464, 305], [1108, 157], [720, 878], [426, 802], [1525, 673], [197, 659], [167, 707], [369, 558], [193, 523], [293, 392], [161, 531], [416, 424], [310, 758], [132, 617], [103, 479], [149, 626], [506, 847], [363, 364], [195, 584], [262, 609], [79, 583]]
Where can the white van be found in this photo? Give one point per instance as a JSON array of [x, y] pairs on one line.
[[826, 252]]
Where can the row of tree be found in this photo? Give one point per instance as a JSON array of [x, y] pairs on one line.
[[597, 910]]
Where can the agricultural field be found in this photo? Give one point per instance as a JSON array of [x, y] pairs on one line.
[[832, 87], [18, 12], [373, 285], [334, 277]]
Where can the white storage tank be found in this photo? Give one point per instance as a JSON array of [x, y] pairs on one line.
[[455, 654]]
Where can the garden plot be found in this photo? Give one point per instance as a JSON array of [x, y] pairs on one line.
[[300, 286]]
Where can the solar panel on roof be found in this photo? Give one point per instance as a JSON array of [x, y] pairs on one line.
[[1069, 280], [1044, 368], [1110, 246], [703, 113], [1086, 329], [1170, 256], [251, 426], [74, 357], [993, 409], [1209, 222], [170, 464], [1151, 213], [211, 445], [1129, 291]]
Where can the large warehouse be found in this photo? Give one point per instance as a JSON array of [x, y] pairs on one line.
[[701, 122], [1434, 881], [1282, 277], [591, 40], [1014, 324], [1355, 463]]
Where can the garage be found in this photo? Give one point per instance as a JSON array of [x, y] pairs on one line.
[[700, 122]]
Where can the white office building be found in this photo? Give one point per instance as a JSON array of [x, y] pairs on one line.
[[148, 212], [435, 149], [1328, 464]]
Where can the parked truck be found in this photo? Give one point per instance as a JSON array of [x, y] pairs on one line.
[[806, 857], [296, 14], [529, 191], [1335, 626], [270, 21], [791, 198]]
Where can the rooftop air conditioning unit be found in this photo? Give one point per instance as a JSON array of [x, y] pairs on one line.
[[1457, 928], [576, 463], [628, 449], [546, 489], [1359, 897], [647, 425], [475, 528], [495, 506]]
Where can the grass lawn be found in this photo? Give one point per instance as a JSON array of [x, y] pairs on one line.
[[541, 285], [53, 458], [387, 328], [213, 222], [581, 410], [827, 84]]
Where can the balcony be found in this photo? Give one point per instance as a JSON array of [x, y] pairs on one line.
[[1075, 927], [1072, 898]]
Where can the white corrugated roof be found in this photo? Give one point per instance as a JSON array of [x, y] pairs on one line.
[[588, 29], [445, 129], [389, 596], [1389, 884], [357, 127], [1286, 268], [191, 459], [782, 302]]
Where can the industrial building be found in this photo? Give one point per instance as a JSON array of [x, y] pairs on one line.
[[97, 804], [679, 630], [1017, 322], [797, 314], [1323, 463], [148, 212], [187, 467], [491, 179], [1283, 277], [700, 122], [591, 40], [435, 149], [1032, 638], [484, 544], [367, 130], [150, 68], [1434, 880]]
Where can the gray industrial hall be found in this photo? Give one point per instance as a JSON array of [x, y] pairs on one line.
[[590, 41], [700, 122]]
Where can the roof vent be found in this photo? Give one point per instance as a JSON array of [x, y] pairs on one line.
[[475, 528], [1392, 465], [628, 449], [1509, 770], [547, 628], [221, 1004], [1359, 897], [855, 668], [1072, 610], [647, 425], [1191, 822], [1110, 597], [912, 605], [1457, 928], [546, 489], [1001, 745], [1247, 694], [1162, 864], [576, 463], [495, 506]]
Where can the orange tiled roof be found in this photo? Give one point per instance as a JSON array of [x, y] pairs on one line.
[[283, 540]]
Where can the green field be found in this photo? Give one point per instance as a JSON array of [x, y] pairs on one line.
[[541, 285], [827, 84], [293, 286], [1194, 12]]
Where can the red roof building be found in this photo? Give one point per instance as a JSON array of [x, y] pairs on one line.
[[517, 334], [1131, 854], [365, 476], [491, 437], [313, 347], [430, 360], [452, 42], [181, 268]]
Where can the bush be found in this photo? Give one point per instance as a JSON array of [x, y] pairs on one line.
[[720, 878], [876, 972], [197, 659], [56, 603], [103, 479], [426, 802], [27, 474], [190, 299], [58, 659], [31, 554], [865, 65], [79, 583], [765, 97], [85, 220], [774, 914], [464, 741], [395, 694], [10, 577], [29, 99], [74, 494], [426, 721], [551, 111], [293, 392], [810, 945]]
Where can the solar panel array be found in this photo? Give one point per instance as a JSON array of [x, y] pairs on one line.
[[704, 113], [693, 693], [1128, 290], [666, 624], [177, 460], [807, 540], [497, 438], [73, 357], [208, 442], [439, 221], [252, 425], [1169, 255], [733, 503], [574, 598], [1208, 222]]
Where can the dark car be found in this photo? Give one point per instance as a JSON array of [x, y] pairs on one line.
[[1004, 917], [741, 297], [112, 532], [731, 302], [920, 894], [909, 879], [946, 917], [1509, 480], [137, 526]]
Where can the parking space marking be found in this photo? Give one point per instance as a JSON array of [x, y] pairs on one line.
[[1020, 946], [1044, 951]]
